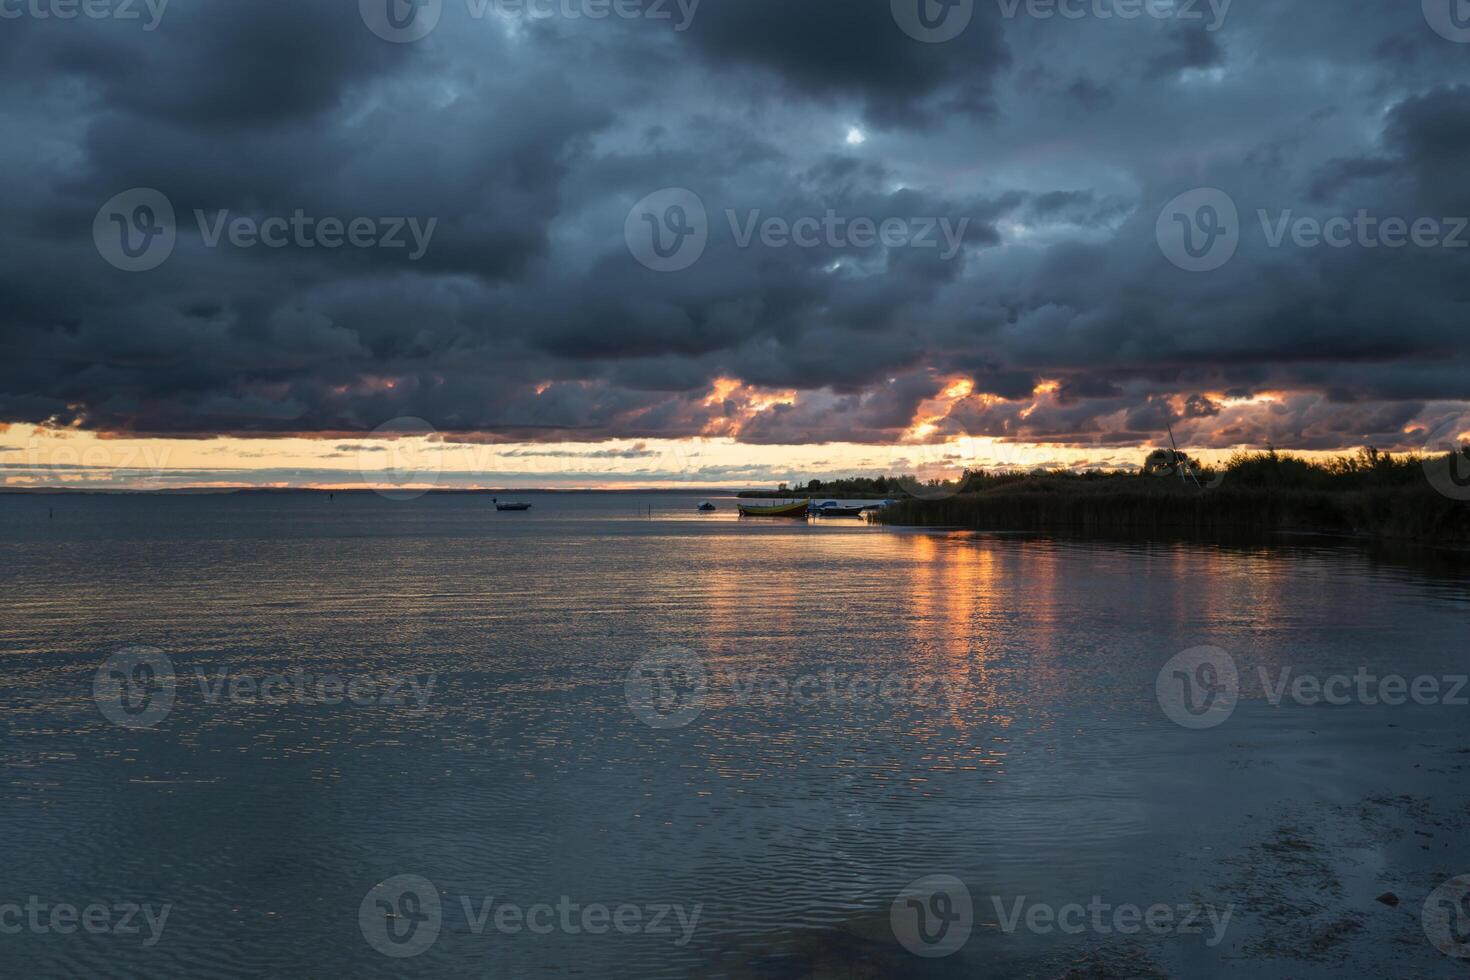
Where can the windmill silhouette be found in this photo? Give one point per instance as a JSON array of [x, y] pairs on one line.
[[1181, 463]]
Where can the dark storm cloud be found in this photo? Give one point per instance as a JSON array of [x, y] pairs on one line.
[[1089, 94], [833, 49], [1190, 46], [638, 451], [1048, 146], [218, 65]]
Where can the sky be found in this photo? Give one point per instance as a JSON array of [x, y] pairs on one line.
[[725, 242]]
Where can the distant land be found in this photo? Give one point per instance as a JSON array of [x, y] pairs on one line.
[[1370, 494], [447, 491]]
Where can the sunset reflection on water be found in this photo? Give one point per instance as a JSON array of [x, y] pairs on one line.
[[798, 799]]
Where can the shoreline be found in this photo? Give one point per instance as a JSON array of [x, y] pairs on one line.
[[1409, 515]]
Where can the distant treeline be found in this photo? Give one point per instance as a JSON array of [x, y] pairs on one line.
[[851, 488], [1369, 467], [1371, 493]]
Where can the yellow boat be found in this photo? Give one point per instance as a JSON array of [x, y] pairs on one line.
[[797, 509]]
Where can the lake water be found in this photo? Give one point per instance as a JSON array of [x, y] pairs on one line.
[[590, 740]]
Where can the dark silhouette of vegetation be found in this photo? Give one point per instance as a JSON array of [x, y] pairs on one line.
[[1170, 462], [1370, 493], [851, 488], [1369, 468]]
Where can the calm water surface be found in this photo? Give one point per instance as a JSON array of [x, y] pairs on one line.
[[1034, 762]]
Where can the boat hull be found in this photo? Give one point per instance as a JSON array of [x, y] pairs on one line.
[[797, 509]]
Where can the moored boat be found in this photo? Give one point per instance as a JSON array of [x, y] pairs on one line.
[[510, 505], [832, 508], [706, 506], [797, 509]]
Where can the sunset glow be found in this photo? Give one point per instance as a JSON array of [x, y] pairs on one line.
[[934, 445]]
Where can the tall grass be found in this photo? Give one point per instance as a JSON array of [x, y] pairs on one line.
[[1369, 494]]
